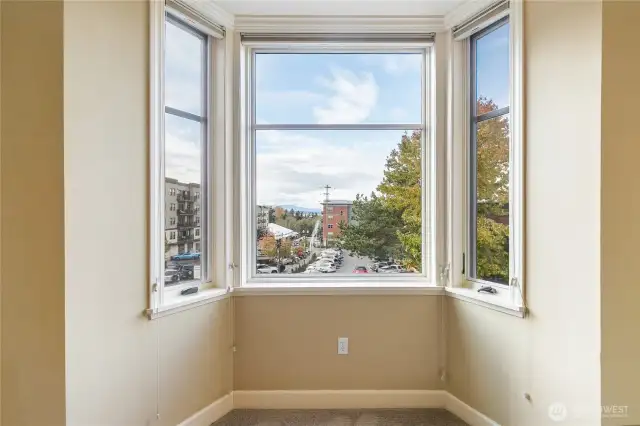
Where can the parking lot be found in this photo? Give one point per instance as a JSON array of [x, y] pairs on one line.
[[350, 262]]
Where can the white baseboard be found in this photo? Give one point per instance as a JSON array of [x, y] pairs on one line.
[[325, 399], [211, 413], [338, 399], [466, 412]]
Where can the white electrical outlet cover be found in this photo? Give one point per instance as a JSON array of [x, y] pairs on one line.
[[343, 345]]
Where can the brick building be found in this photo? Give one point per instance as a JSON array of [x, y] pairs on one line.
[[334, 212]]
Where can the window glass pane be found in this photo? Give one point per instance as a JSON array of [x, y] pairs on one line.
[[491, 201], [183, 204], [360, 191], [492, 69], [338, 88], [183, 69]]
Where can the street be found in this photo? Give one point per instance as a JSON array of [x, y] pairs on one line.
[[349, 263]]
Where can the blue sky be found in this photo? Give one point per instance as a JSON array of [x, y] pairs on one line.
[[292, 166], [492, 63]]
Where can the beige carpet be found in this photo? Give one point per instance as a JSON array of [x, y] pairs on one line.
[[405, 417]]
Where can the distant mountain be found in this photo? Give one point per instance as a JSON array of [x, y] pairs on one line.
[[302, 209]]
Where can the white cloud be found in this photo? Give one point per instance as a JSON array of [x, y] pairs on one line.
[[352, 100], [182, 158], [292, 167], [183, 66]]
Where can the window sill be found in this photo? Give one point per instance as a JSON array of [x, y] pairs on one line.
[[345, 288], [495, 302], [175, 302]]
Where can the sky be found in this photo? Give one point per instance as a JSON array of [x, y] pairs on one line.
[[292, 166]]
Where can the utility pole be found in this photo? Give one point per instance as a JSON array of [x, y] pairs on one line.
[[326, 202], [326, 193]]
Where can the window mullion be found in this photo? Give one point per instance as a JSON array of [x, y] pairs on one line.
[[355, 126]]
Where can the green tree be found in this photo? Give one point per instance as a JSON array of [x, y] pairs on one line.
[[401, 189], [389, 223], [373, 231], [492, 194]]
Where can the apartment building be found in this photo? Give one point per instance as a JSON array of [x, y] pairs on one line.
[[183, 217], [262, 217], [334, 212]]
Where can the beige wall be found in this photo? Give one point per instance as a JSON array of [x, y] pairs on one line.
[[290, 342], [121, 367], [554, 354], [620, 210], [32, 214]]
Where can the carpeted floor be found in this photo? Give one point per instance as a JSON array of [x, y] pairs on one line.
[[404, 417]]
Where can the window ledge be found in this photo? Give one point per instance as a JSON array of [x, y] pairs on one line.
[[177, 303], [490, 301], [282, 288]]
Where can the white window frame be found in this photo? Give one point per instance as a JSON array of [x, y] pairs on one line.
[[247, 127], [213, 221], [509, 298]]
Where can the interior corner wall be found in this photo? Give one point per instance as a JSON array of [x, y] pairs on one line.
[[620, 214], [290, 342], [0, 215], [554, 354], [32, 244], [121, 368]]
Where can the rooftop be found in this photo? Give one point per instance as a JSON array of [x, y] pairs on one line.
[[337, 202]]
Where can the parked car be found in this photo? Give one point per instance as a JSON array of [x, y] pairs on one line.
[[390, 269], [326, 262], [332, 252], [331, 259], [360, 270], [171, 276], [326, 268], [266, 269], [186, 256], [375, 266]]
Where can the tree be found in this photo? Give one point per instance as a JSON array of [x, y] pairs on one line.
[[492, 194], [260, 233], [276, 248], [389, 223], [373, 231], [492, 261], [492, 160], [401, 188]]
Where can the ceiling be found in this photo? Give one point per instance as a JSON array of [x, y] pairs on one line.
[[340, 7]]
